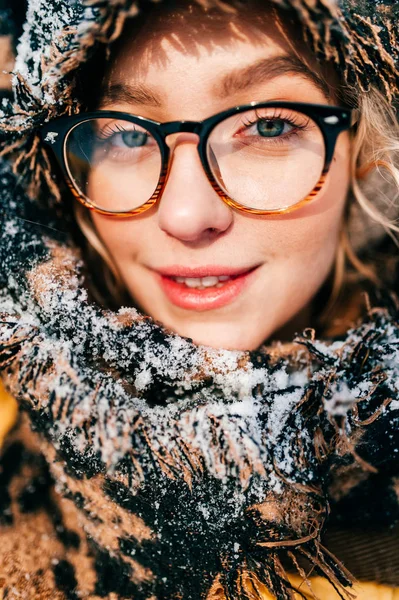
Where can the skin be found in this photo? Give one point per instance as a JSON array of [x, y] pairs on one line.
[[182, 57]]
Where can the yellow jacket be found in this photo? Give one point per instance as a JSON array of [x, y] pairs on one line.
[[322, 589]]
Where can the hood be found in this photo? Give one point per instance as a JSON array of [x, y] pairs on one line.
[[196, 473]]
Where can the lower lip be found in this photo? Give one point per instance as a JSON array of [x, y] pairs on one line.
[[206, 299]]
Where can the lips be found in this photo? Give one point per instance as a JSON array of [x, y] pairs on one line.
[[203, 288]]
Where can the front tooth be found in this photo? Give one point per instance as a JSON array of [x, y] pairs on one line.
[[209, 281], [192, 283]]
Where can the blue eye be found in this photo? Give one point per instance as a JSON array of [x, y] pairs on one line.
[[130, 139], [271, 127]]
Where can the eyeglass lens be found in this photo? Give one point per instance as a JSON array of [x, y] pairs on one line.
[[264, 158]]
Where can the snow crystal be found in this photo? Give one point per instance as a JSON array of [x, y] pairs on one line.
[[143, 379], [394, 405], [341, 401], [328, 350], [51, 137], [11, 228], [280, 410]]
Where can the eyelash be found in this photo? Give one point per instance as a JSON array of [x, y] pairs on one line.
[[108, 132], [276, 115]]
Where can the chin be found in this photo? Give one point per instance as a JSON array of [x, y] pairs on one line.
[[220, 335]]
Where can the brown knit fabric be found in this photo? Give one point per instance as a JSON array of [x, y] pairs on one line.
[[45, 539]]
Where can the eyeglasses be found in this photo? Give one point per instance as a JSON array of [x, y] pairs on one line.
[[262, 158]]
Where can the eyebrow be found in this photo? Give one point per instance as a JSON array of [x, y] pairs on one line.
[[130, 94], [265, 70], [236, 81]]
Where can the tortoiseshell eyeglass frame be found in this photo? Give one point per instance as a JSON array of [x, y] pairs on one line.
[[331, 120]]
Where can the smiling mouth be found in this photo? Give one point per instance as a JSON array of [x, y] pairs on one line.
[[200, 289], [203, 283]]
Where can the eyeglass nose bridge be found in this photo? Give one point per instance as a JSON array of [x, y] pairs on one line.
[[173, 127], [180, 127]]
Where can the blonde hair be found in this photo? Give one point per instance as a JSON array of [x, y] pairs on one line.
[[373, 199]]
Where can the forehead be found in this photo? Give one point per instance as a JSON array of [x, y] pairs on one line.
[[196, 33], [151, 39], [192, 50]]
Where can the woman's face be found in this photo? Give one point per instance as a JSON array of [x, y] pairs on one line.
[[262, 272]]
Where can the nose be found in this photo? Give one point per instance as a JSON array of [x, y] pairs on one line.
[[190, 209]]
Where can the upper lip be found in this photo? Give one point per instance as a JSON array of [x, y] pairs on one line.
[[205, 271]]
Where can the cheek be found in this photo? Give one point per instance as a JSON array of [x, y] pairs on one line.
[[100, 188], [126, 186], [122, 237], [319, 223], [304, 242], [110, 189]]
